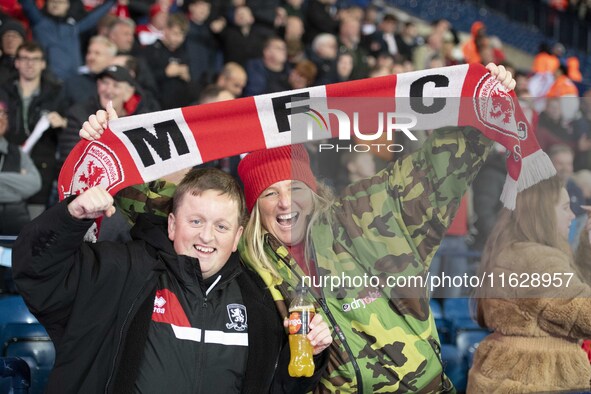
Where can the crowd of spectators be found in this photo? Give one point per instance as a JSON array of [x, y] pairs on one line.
[[62, 60]]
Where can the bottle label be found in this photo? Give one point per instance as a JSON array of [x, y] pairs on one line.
[[299, 321]]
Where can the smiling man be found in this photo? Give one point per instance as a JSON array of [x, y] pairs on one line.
[[171, 311]]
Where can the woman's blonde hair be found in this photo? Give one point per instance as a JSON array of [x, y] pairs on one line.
[[254, 233], [533, 220]]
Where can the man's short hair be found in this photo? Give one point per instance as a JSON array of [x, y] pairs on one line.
[[180, 20], [110, 45], [121, 21], [199, 180], [30, 46]]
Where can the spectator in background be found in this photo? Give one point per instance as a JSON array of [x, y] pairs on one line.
[[243, 39], [302, 75], [321, 17], [270, 73], [356, 166], [294, 29], [471, 48], [566, 91], [59, 35], [582, 130], [349, 39], [486, 196], [424, 53], [583, 180], [370, 20], [562, 157], [563, 86], [544, 61], [344, 67], [553, 128], [232, 78], [409, 40], [153, 31], [169, 61], [538, 328], [114, 84], [324, 55], [142, 76], [100, 54], [31, 96], [215, 94], [121, 32], [12, 35], [294, 8], [385, 39], [19, 180], [201, 44]]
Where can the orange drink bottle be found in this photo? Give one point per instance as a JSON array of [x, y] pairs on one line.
[[301, 313]]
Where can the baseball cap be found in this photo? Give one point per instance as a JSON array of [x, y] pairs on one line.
[[118, 73]]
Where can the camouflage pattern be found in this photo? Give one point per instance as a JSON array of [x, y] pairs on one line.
[[154, 197], [387, 225]]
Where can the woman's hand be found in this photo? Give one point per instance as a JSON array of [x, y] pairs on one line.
[[502, 75], [319, 335], [96, 124]]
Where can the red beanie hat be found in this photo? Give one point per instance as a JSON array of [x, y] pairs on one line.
[[260, 169]]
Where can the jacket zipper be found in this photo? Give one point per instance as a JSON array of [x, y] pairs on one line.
[[121, 338], [343, 339]]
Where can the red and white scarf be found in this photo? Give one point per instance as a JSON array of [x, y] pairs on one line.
[[142, 148]]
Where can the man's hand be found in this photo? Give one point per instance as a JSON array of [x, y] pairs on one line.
[[502, 75], [96, 124], [93, 203], [56, 120]]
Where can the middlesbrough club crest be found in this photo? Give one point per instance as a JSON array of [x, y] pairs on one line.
[[98, 166], [237, 315], [495, 109]]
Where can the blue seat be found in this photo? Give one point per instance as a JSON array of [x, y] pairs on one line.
[[39, 354], [467, 342], [454, 366], [456, 308], [14, 310], [22, 336], [443, 326], [15, 375]]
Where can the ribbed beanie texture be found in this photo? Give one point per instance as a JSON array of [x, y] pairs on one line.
[[262, 168]]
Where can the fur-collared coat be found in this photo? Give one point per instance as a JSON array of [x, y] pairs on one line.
[[536, 343]]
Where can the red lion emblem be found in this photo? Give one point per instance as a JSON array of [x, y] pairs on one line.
[[502, 107], [93, 176]]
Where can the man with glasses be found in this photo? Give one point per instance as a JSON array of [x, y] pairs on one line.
[[30, 96]]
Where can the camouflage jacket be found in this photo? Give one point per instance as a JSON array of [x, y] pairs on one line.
[[387, 227]]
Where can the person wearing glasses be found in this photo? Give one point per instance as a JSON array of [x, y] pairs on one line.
[[30, 95]]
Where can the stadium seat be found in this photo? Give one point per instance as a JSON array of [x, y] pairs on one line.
[[14, 375], [454, 366], [467, 342], [443, 326], [22, 336]]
